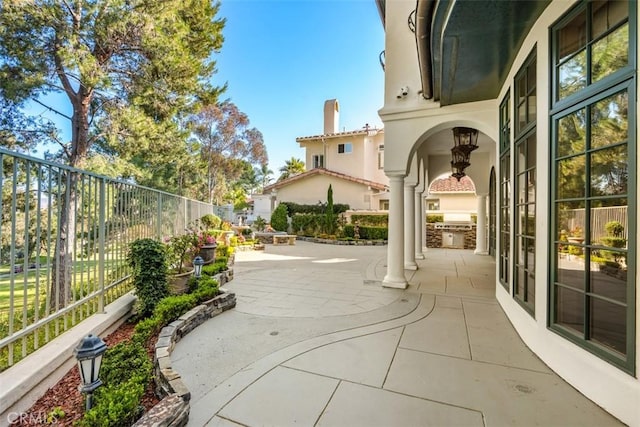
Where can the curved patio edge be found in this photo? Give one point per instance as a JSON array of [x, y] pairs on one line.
[[205, 408]]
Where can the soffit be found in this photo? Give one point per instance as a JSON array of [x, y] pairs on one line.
[[474, 44]]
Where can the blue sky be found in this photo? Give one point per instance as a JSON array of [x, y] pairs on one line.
[[282, 59]]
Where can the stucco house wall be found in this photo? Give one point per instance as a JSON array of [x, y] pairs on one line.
[[313, 190], [411, 121]]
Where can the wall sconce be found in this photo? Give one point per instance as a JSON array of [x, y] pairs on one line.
[[89, 354]]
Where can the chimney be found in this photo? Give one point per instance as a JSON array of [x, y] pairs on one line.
[[331, 116]]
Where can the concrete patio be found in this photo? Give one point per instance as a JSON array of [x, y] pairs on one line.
[[315, 340]]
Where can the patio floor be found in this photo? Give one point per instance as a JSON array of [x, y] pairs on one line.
[[315, 340]]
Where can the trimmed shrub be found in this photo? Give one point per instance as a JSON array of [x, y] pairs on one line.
[[374, 233], [366, 233], [433, 218], [211, 221], [147, 259], [374, 220], [307, 224], [317, 209], [279, 218]]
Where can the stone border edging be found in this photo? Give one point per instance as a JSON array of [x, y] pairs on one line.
[[173, 409], [343, 242]]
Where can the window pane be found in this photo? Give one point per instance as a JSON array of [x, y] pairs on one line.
[[572, 37], [531, 151], [572, 75], [569, 266], [610, 53], [609, 121], [570, 219], [608, 324], [571, 133], [521, 220], [609, 278], [609, 220], [519, 285], [570, 182], [570, 309], [531, 219], [609, 171], [606, 14]]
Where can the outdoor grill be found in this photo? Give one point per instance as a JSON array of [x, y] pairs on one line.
[[453, 229]]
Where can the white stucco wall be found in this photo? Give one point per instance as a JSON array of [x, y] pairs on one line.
[[411, 120], [314, 189]]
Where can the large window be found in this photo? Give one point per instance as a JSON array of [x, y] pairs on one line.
[[525, 184], [505, 191], [593, 174]]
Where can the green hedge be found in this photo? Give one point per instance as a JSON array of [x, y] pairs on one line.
[[307, 224], [318, 209], [366, 233], [279, 218], [374, 220], [433, 218]]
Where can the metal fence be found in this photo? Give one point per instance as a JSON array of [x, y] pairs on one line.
[[64, 239], [599, 218]]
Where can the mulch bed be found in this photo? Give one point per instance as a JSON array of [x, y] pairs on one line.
[[66, 396]]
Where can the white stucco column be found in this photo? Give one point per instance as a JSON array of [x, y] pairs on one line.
[[481, 226], [419, 210], [395, 246], [423, 223], [409, 227]]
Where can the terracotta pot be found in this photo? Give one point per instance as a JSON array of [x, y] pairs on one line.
[[178, 282]]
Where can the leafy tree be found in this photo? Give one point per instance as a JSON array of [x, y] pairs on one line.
[[129, 67], [225, 140], [264, 175], [291, 168]]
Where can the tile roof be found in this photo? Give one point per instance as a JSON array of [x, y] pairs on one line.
[[370, 132], [323, 171], [452, 185]]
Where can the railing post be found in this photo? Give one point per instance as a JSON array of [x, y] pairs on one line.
[[101, 244], [159, 218]]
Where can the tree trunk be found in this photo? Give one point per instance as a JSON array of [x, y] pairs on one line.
[[62, 271]]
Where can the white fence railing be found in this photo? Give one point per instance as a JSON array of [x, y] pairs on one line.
[[63, 244]]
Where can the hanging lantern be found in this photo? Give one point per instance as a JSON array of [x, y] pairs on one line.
[[465, 140]]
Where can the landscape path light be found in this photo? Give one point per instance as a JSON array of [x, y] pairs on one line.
[[89, 355], [198, 262]]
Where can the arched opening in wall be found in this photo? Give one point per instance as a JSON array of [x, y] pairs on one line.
[[451, 213], [492, 212]]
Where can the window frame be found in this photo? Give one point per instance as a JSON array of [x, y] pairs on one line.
[[624, 78], [317, 160], [504, 203], [347, 148], [591, 89]]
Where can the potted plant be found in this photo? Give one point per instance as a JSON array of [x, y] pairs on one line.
[[180, 252], [206, 242]]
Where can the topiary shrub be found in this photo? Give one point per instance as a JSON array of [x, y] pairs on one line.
[[279, 218], [147, 259], [210, 221]]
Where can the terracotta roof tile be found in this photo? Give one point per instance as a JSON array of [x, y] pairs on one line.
[[450, 185], [370, 132], [322, 171]]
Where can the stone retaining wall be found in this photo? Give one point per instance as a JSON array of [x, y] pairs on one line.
[[173, 409]]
